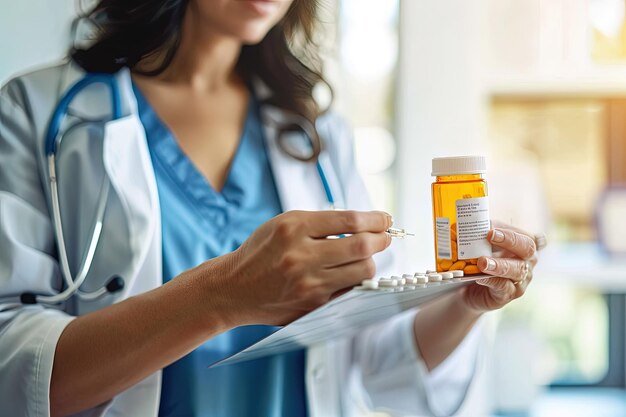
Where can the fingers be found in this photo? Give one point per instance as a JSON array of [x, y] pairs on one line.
[[336, 252], [321, 224], [502, 289], [541, 240], [349, 275], [519, 244], [512, 269], [514, 252]]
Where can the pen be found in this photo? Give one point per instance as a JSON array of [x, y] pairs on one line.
[[398, 233], [394, 232]]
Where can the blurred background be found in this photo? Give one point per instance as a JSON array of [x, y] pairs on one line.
[[539, 86]]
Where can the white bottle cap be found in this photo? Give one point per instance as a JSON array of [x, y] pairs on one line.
[[459, 165]]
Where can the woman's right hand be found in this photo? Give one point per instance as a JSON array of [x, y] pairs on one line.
[[289, 267], [285, 269]]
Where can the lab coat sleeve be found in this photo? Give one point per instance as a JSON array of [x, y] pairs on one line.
[[28, 334], [389, 367], [396, 379]]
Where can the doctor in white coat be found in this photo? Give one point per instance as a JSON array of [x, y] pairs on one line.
[[200, 82]]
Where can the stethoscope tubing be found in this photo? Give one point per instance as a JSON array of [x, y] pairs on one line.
[[53, 138], [73, 285], [53, 143]]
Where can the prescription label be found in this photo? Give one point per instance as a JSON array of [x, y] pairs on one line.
[[472, 226], [444, 248]]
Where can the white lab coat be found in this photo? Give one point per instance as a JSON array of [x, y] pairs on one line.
[[380, 369]]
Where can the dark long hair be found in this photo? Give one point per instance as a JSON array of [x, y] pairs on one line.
[[128, 31]]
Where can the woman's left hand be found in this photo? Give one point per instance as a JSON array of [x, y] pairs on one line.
[[514, 257]]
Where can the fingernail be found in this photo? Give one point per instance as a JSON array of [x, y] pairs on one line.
[[390, 219], [491, 265], [498, 236]]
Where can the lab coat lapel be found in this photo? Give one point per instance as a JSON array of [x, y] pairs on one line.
[[128, 166], [127, 162]]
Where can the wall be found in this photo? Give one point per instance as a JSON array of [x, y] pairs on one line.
[[33, 32], [439, 106]]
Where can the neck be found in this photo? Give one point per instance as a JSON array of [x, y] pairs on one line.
[[205, 60]]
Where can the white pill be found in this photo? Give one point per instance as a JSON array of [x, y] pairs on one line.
[[447, 275], [433, 276], [406, 276], [457, 274], [369, 284], [387, 283], [401, 281], [411, 281], [421, 279], [430, 271]]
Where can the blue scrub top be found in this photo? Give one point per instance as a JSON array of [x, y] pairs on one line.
[[199, 223]]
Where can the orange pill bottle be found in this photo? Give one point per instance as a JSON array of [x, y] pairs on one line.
[[460, 213]]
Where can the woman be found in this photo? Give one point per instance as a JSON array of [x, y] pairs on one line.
[[201, 165]]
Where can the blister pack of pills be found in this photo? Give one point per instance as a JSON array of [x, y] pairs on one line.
[[364, 305]]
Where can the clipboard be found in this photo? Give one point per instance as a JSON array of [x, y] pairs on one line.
[[345, 316]]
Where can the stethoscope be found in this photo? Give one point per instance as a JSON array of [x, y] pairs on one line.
[[53, 141]]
